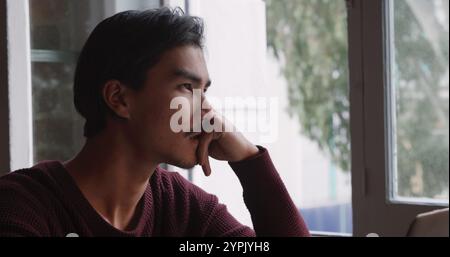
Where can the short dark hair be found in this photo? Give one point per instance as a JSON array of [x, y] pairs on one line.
[[123, 47]]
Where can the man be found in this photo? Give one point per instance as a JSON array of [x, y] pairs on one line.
[[130, 69]]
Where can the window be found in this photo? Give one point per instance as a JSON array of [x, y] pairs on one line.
[[44, 38], [418, 48], [58, 30], [275, 50], [398, 52]]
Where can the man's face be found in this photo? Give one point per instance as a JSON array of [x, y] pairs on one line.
[[178, 72]]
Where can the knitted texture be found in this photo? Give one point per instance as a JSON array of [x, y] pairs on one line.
[[44, 200]]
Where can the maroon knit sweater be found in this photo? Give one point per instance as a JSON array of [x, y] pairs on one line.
[[45, 201]]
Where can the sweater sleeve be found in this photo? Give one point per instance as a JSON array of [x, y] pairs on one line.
[[271, 208]]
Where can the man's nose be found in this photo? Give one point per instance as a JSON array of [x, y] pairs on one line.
[[206, 106]]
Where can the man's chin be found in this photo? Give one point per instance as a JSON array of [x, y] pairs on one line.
[[184, 164]]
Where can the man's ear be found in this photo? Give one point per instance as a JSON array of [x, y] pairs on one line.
[[115, 96]]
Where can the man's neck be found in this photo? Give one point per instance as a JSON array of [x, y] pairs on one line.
[[111, 178]]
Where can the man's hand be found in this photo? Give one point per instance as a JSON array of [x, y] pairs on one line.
[[226, 146]]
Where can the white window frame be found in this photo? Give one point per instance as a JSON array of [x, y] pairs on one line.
[[19, 81], [373, 209]]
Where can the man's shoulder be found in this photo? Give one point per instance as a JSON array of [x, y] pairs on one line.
[[28, 183], [28, 198]]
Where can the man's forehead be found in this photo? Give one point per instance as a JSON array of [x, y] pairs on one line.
[[184, 56], [186, 61]]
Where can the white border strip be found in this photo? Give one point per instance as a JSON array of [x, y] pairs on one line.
[[20, 95]]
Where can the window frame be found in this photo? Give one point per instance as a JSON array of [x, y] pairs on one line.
[[20, 95], [373, 210], [391, 118]]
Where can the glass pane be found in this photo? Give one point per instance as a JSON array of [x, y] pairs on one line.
[[58, 130], [420, 99], [294, 52], [308, 39], [58, 30]]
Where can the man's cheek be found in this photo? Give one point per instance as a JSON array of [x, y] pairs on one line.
[[180, 119]]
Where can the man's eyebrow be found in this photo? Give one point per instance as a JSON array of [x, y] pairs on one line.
[[191, 76]]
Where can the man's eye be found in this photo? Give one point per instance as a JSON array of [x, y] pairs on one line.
[[191, 88], [187, 86]]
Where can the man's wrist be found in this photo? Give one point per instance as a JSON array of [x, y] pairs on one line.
[[239, 147], [251, 152]]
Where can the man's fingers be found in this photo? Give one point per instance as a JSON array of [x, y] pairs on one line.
[[202, 152], [212, 127], [207, 168], [205, 153]]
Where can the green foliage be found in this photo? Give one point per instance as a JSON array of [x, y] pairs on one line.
[[309, 37], [422, 114]]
